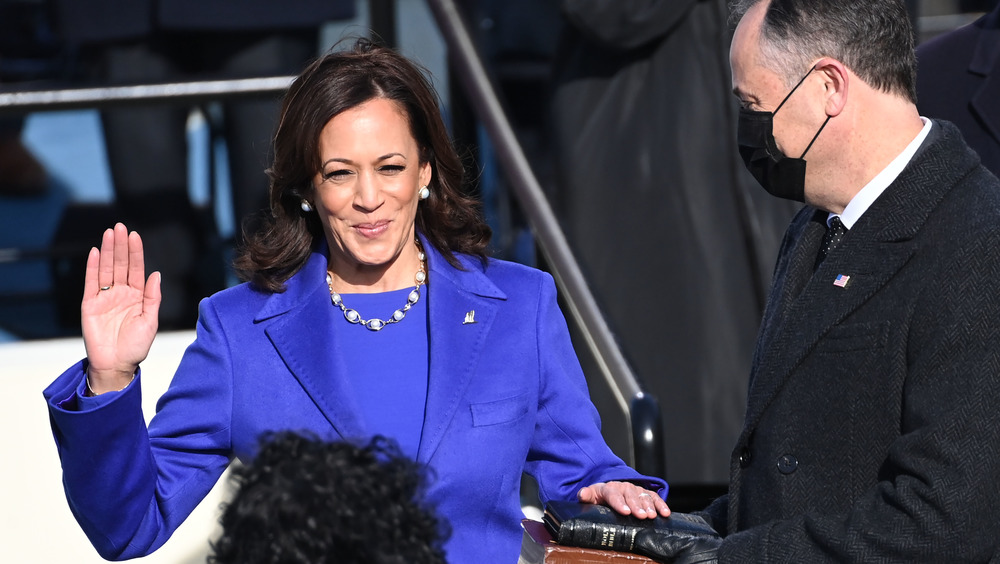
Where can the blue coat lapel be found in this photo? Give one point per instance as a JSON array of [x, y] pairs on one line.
[[299, 321], [455, 346]]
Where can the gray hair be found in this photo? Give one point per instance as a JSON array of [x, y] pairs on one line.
[[873, 38]]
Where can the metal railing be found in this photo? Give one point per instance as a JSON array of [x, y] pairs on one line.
[[194, 92], [641, 408], [642, 411]]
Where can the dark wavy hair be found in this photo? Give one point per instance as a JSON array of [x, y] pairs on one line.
[[307, 501], [874, 38], [339, 81]]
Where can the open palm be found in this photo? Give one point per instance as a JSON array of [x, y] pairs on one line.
[[119, 309]]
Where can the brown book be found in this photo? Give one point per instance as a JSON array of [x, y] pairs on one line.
[[537, 547]]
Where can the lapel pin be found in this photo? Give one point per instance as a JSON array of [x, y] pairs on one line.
[[841, 280], [470, 317]]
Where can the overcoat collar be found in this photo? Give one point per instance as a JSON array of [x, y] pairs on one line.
[[986, 63], [805, 305], [300, 318]]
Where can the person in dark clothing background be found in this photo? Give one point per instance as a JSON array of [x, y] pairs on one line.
[[677, 243], [958, 79], [151, 41]]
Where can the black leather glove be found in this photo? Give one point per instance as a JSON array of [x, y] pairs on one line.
[[679, 548]]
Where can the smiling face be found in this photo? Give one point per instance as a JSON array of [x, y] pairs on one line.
[[366, 196]]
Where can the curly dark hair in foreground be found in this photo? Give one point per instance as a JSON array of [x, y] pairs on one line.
[[307, 501]]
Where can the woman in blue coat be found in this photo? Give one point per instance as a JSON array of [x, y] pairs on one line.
[[370, 308]]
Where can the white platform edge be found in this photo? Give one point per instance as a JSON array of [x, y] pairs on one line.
[[35, 521]]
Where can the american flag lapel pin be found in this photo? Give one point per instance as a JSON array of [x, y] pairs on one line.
[[841, 280]]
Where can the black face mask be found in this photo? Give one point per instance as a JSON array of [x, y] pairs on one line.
[[781, 176]]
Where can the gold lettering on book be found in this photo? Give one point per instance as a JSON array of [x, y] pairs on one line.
[[608, 538]]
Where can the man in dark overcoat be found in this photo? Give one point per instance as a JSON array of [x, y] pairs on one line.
[[958, 79], [872, 429]]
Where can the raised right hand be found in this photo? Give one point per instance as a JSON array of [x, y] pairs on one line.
[[119, 310]]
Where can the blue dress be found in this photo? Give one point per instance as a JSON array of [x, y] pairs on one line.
[[390, 386]]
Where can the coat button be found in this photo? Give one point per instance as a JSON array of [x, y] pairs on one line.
[[787, 464], [745, 457]]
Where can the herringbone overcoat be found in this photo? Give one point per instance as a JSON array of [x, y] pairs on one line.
[[872, 430]]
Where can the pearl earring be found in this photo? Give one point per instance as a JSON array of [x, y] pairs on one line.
[[306, 206], [424, 193]]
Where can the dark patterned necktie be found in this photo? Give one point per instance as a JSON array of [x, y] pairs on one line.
[[834, 233]]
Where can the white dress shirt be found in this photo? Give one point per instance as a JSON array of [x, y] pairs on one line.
[[861, 201]]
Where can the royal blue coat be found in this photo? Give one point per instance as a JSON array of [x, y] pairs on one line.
[[505, 395]]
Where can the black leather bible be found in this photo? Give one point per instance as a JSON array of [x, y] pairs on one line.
[[538, 547], [587, 525]]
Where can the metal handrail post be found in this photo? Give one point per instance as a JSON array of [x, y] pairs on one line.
[[650, 458]]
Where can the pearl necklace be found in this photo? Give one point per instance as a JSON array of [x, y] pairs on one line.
[[376, 324]]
